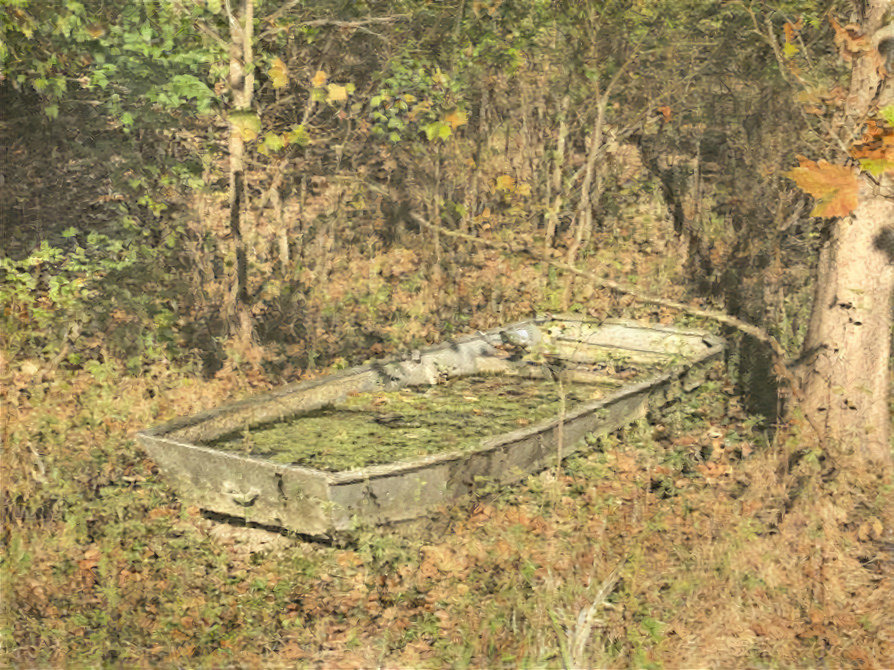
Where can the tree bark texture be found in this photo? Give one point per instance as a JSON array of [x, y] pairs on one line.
[[241, 81], [844, 372], [846, 356]]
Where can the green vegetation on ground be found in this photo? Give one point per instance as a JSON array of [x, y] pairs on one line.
[[645, 142], [377, 428], [102, 564]]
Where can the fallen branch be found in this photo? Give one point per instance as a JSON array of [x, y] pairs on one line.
[[356, 24], [721, 317], [781, 359]]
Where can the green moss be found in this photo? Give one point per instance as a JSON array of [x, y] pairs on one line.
[[376, 428]]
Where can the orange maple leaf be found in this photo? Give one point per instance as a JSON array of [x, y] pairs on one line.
[[834, 187], [456, 118], [849, 40], [792, 29]]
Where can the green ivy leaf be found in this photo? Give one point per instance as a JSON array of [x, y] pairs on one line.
[[272, 143], [188, 86], [438, 130], [298, 135]]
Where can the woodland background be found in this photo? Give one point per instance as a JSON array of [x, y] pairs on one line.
[[641, 142]]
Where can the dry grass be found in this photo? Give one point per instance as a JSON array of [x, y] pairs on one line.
[[685, 542]]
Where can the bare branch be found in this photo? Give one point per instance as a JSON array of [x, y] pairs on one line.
[[356, 24], [270, 18], [203, 27], [587, 617], [359, 24]]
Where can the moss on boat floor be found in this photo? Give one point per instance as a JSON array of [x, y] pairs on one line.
[[384, 427]]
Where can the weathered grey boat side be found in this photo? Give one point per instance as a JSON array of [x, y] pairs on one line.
[[319, 503]]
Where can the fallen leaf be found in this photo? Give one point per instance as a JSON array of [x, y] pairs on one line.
[[505, 183]]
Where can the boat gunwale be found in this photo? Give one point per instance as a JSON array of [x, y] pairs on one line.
[[162, 433]]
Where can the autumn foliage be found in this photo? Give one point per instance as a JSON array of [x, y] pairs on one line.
[[833, 186], [712, 532]]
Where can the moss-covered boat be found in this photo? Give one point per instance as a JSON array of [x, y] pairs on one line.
[[387, 441]]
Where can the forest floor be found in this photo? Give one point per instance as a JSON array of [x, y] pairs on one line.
[[685, 540], [700, 536]]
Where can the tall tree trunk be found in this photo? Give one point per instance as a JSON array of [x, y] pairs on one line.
[[241, 80], [844, 374], [596, 150], [555, 184]]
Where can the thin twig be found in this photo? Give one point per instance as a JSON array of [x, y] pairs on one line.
[[356, 24], [756, 332], [587, 617], [722, 317]]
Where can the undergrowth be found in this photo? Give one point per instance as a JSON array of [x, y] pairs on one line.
[[700, 536], [725, 549]]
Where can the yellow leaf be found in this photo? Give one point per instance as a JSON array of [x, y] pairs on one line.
[[877, 166], [30, 368], [456, 118], [298, 135], [505, 183], [337, 93], [523, 190], [439, 78], [247, 123], [421, 108], [319, 79], [834, 187], [278, 73]]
